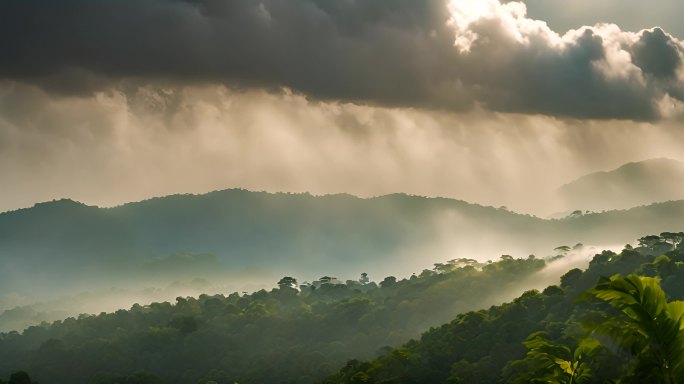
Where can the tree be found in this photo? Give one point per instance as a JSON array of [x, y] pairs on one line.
[[649, 241], [388, 281], [570, 277], [287, 282], [443, 268], [673, 238], [184, 324], [650, 328], [364, 278], [562, 250]]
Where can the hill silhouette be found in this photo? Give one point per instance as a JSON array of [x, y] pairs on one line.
[[631, 185], [65, 246]]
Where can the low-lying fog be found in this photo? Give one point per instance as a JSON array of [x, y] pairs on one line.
[[19, 311]]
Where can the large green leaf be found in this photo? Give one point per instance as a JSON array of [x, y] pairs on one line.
[[652, 328]]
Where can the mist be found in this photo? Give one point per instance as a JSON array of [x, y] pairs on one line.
[[120, 146], [133, 143], [315, 191], [19, 311], [83, 259]]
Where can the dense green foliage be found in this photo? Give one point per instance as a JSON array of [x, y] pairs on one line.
[[650, 328], [491, 346], [285, 335], [588, 329], [550, 362]]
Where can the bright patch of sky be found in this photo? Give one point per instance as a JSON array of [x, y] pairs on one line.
[[630, 15]]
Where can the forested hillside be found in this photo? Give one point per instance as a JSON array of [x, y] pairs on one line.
[[68, 246], [295, 333], [557, 335], [341, 192], [300, 333]]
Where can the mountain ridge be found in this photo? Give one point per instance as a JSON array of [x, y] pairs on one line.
[[630, 185], [66, 247]]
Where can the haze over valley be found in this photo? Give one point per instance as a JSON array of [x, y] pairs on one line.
[[237, 240], [338, 192]]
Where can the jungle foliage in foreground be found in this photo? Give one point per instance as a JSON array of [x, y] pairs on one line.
[[590, 329]]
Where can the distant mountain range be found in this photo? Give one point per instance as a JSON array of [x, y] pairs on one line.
[[65, 246], [631, 185]]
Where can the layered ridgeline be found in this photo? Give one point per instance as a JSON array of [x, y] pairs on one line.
[[300, 333], [63, 258], [630, 185]]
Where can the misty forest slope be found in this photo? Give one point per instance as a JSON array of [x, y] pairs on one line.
[[487, 346], [633, 184], [291, 335], [69, 245]]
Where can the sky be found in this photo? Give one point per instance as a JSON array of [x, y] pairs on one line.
[[498, 103], [630, 15]]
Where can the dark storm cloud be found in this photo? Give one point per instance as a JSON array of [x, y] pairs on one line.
[[537, 78], [388, 52], [657, 54], [384, 50]]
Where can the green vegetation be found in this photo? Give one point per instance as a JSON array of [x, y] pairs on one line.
[[295, 333], [560, 335], [650, 327], [587, 329], [67, 245]]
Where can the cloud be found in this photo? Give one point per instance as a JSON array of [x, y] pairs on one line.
[[125, 145], [657, 54], [520, 65], [385, 51], [404, 53]]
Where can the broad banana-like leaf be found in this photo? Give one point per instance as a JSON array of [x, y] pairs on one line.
[[652, 329]]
